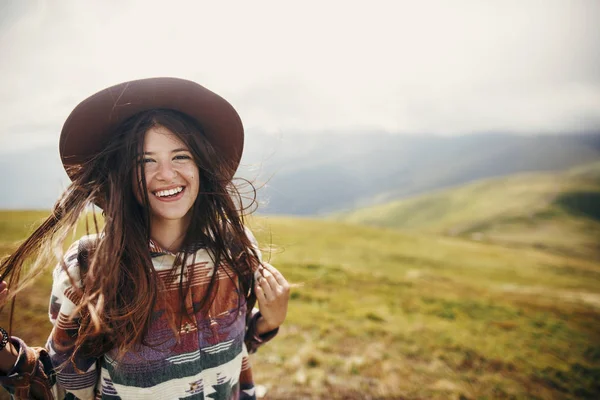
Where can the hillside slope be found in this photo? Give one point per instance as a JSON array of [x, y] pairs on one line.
[[557, 211], [376, 313]]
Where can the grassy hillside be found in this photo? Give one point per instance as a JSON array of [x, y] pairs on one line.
[[383, 314], [557, 211]]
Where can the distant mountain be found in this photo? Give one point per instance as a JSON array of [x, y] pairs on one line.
[[559, 211], [331, 173], [315, 174]]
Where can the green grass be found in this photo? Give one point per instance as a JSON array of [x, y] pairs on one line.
[[418, 316], [384, 314], [557, 211]]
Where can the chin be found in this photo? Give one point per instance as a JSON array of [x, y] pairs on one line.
[[170, 215]]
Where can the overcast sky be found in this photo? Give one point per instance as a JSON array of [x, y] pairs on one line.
[[444, 67]]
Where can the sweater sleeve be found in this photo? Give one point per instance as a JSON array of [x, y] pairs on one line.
[[32, 376], [78, 376], [37, 370]]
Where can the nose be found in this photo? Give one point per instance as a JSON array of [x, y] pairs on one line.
[[166, 172]]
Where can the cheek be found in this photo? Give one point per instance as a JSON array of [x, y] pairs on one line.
[[195, 184], [193, 176], [194, 179]]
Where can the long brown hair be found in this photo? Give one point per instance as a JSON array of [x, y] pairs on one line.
[[119, 286]]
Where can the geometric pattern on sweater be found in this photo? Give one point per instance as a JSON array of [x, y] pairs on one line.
[[206, 358]]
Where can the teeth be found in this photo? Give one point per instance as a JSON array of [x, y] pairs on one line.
[[169, 192]]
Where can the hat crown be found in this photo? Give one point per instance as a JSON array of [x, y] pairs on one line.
[[94, 121]]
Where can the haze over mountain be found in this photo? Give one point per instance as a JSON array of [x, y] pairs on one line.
[[315, 174], [330, 173]]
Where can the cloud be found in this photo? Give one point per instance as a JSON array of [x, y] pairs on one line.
[[410, 67]]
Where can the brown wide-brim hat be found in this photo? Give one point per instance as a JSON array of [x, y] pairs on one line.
[[91, 125]]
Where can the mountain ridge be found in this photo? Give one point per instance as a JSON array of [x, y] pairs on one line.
[[553, 210]]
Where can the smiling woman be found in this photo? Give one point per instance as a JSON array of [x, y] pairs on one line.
[[171, 178], [159, 303]]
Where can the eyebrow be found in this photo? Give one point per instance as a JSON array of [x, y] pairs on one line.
[[172, 151]]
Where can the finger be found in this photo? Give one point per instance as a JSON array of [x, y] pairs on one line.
[[275, 272], [3, 289], [3, 296], [266, 289], [282, 283], [258, 272], [259, 292], [270, 279]]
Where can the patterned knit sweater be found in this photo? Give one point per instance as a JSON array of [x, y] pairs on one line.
[[209, 359]]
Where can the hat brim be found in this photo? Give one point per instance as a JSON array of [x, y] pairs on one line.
[[90, 126]]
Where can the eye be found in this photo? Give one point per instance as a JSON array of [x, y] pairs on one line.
[[146, 160], [182, 157]]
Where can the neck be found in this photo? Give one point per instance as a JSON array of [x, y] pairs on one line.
[[169, 234]]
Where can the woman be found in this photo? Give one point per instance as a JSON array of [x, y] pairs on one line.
[[159, 303]]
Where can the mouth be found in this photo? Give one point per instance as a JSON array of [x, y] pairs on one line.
[[169, 194]]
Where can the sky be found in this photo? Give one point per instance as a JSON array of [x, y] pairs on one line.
[[406, 67]]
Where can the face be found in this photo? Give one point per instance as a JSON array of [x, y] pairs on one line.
[[172, 176]]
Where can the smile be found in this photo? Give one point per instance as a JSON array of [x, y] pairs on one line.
[[169, 192]]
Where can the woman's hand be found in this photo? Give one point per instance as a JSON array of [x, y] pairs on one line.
[[272, 294], [8, 355]]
